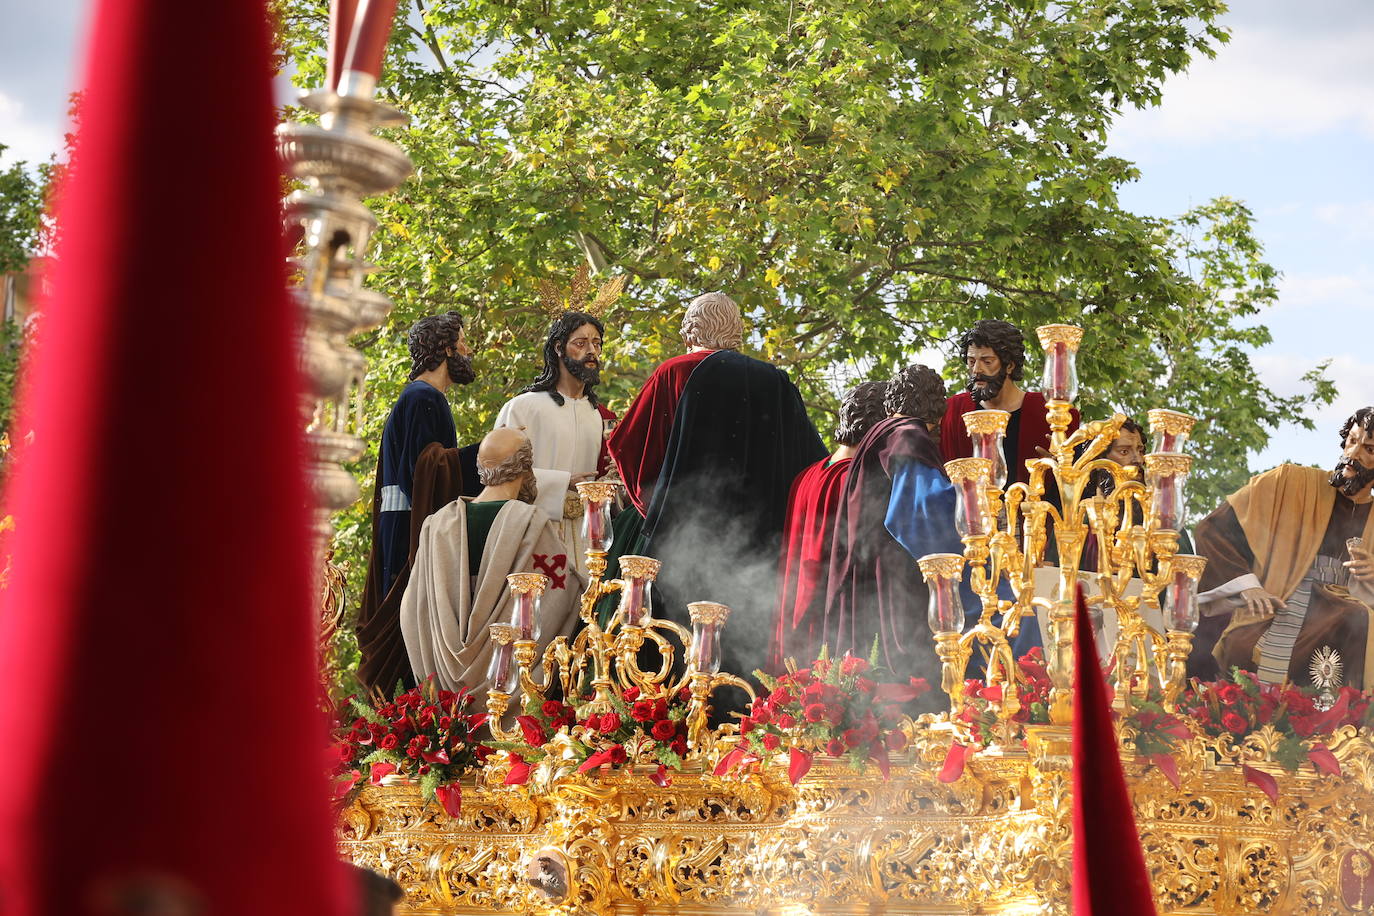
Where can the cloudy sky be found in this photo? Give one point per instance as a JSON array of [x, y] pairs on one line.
[[1282, 119]]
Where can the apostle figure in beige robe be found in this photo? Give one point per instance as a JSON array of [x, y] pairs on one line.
[[458, 582], [1285, 577]]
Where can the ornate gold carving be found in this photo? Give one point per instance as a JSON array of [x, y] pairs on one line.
[[527, 583], [597, 490], [978, 470], [945, 565], [637, 567], [986, 422], [1167, 463], [707, 612], [1059, 333], [1170, 422]]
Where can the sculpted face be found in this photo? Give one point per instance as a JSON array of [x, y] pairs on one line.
[[459, 361], [1127, 450], [986, 374], [582, 354], [1354, 473]]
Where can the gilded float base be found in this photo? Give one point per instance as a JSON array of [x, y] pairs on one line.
[[997, 840]]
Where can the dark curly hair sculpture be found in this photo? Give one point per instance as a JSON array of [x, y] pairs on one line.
[[428, 340], [916, 391], [1003, 338], [861, 408], [557, 341]]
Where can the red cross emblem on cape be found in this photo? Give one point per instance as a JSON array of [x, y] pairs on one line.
[[551, 566]]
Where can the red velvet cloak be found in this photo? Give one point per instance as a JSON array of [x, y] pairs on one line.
[[639, 443], [805, 561], [1035, 430]]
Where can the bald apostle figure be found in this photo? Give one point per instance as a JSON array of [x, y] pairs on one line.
[[458, 583], [811, 508], [708, 452]]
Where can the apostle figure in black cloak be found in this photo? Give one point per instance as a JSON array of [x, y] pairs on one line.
[[417, 472], [897, 505], [716, 503]]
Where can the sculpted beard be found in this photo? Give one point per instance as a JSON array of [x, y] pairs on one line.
[[1354, 484], [588, 372], [460, 369], [529, 490], [991, 389]]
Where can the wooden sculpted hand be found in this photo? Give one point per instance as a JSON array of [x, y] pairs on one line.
[[1361, 565], [1259, 604]]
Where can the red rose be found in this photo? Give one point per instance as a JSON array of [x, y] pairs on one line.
[[834, 748], [1304, 726], [631, 694], [851, 665], [424, 769], [389, 742], [661, 708], [345, 753], [643, 711], [1235, 724], [896, 741], [814, 712], [784, 721], [663, 730], [679, 745], [771, 741], [551, 708], [609, 723], [864, 685], [850, 737], [445, 721], [781, 698], [618, 754], [746, 725]]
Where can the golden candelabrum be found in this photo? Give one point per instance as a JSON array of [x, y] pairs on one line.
[[1006, 530], [607, 659]]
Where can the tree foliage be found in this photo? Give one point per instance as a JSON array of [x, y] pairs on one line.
[[865, 178]]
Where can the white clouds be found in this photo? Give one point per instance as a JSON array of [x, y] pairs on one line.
[[1340, 293], [27, 138], [1269, 82], [1353, 219]]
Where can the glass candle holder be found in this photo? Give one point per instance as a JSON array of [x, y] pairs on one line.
[[502, 672], [597, 496], [1165, 475], [1180, 598], [986, 430], [526, 589], [1060, 379], [638, 574], [1169, 430], [703, 656], [971, 478], [945, 614]]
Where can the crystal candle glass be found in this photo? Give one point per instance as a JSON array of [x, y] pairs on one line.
[[1165, 475], [597, 496], [986, 430], [638, 573], [1169, 430], [971, 478], [526, 589], [1060, 379], [502, 671], [942, 571], [703, 656], [1180, 598]]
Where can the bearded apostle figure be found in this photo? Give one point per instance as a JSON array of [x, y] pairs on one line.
[[565, 421], [1282, 570], [897, 505], [811, 508], [995, 354], [708, 452], [417, 472], [458, 584]]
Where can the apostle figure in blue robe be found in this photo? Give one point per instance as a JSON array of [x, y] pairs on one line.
[[897, 505], [419, 433]]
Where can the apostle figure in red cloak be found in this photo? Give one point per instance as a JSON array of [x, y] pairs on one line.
[[995, 354], [708, 452], [897, 505], [811, 508]]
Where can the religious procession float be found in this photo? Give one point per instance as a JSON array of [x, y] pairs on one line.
[[596, 777]]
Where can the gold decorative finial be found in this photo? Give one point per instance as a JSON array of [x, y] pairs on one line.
[[556, 300]]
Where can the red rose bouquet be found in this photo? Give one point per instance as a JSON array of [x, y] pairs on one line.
[[832, 707], [639, 728], [425, 733]]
